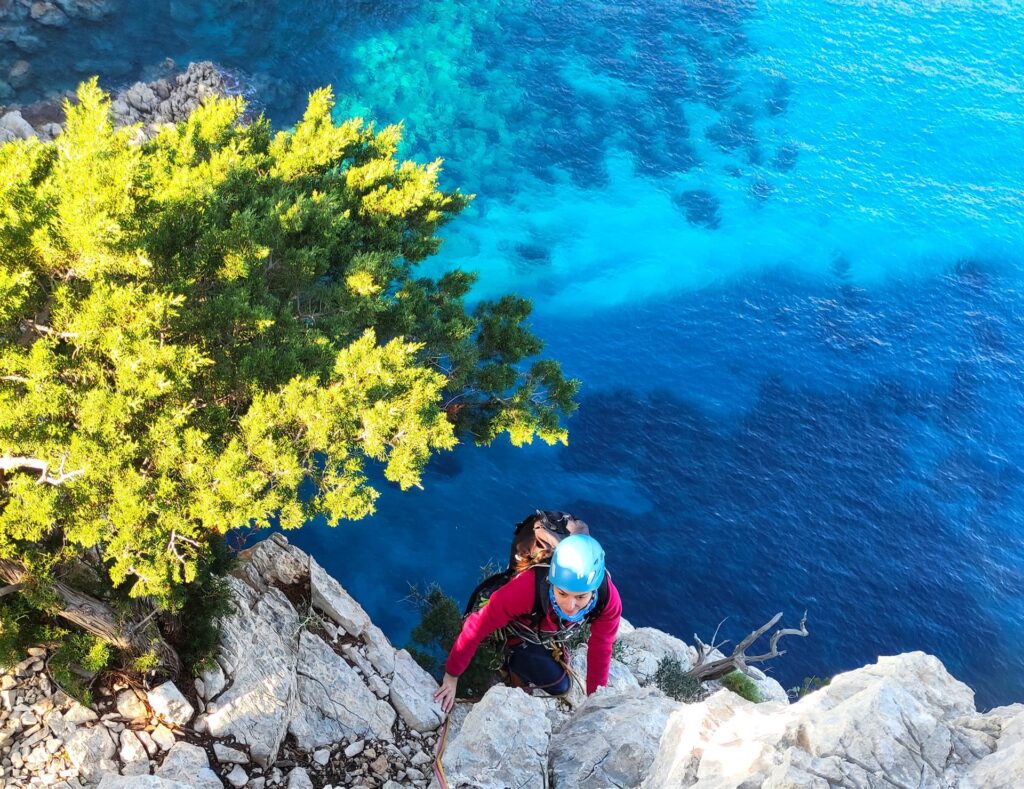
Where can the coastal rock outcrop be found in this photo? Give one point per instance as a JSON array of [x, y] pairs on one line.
[[169, 99], [308, 692]]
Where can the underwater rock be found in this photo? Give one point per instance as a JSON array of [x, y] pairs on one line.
[[701, 208], [785, 158]]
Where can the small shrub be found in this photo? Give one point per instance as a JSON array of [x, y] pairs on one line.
[[432, 639], [742, 685], [809, 685], [672, 679], [78, 657], [196, 634], [146, 662], [16, 630]]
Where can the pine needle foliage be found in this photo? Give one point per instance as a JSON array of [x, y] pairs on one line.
[[193, 326]]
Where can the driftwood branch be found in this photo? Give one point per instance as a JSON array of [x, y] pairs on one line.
[[9, 463], [11, 589], [99, 619], [707, 669]]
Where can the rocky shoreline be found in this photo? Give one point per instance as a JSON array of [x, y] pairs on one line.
[[308, 692], [169, 99]]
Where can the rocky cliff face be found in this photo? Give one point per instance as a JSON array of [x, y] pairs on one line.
[[308, 692]]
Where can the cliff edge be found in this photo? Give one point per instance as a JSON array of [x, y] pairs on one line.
[[309, 692]]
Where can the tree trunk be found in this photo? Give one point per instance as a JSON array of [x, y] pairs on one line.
[[97, 618]]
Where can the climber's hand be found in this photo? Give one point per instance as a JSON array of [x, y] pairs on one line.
[[445, 695]]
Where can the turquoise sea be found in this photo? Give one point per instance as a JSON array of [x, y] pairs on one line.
[[782, 243]]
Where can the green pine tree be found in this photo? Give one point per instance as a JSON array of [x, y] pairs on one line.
[[193, 326]]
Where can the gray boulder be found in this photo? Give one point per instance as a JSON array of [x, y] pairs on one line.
[[141, 782], [334, 702], [1003, 768], [132, 754], [213, 682], [902, 721], [274, 560], [169, 703], [620, 678], [412, 694], [188, 764], [299, 779], [612, 740], [503, 742], [379, 651], [644, 647], [16, 125], [330, 597], [91, 751], [130, 706]]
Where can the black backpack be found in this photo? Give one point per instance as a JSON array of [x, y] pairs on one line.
[[533, 542]]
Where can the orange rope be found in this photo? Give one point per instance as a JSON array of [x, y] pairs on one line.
[[442, 741]]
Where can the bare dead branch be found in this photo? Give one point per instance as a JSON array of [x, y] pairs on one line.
[[41, 329], [9, 463], [705, 670]]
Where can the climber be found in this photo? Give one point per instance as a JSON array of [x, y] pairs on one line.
[[539, 610]]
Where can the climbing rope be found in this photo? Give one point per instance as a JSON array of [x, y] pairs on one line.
[[442, 741]]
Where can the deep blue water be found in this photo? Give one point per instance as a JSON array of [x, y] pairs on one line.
[[780, 242]]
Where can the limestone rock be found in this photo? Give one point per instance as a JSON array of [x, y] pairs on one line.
[[133, 755], [227, 755], [237, 777], [163, 738], [334, 702], [379, 651], [902, 721], [141, 782], [130, 706], [330, 597], [502, 742], [16, 125], [169, 703], [768, 687], [1003, 768], [299, 779], [612, 740], [258, 639], [274, 560], [644, 647], [412, 694], [188, 764], [91, 751], [620, 678], [213, 682]]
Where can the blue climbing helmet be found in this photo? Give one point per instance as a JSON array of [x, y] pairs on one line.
[[577, 565]]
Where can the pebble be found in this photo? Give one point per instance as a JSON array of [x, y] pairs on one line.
[[322, 756], [355, 748], [237, 777]]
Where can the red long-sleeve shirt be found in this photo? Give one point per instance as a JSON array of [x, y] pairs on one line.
[[515, 600]]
